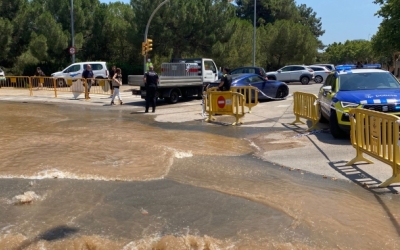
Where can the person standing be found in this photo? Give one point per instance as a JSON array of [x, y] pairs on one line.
[[39, 73], [110, 77], [226, 80], [151, 81], [148, 64], [117, 82], [89, 77]]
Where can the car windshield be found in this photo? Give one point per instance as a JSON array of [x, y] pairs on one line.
[[368, 81]]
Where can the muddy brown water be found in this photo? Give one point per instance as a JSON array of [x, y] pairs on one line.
[[115, 180]]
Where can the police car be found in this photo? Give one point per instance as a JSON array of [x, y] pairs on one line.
[[349, 87]]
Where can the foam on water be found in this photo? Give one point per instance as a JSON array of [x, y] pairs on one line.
[[26, 198], [58, 174]]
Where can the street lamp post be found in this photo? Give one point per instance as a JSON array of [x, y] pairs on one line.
[[254, 35], [72, 30], [147, 29]]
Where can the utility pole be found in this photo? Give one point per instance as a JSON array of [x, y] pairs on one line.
[[254, 34], [72, 30]]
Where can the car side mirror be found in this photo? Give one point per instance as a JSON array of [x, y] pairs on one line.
[[327, 88], [279, 71]]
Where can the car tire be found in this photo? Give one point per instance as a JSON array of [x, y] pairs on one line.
[[61, 83], [318, 79], [336, 132], [174, 96], [282, 92], [304, 80], [322, 118]]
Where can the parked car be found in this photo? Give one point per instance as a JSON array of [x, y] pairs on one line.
[[320, 73], [347, 87], [292, 73], [271, 88], [75, 70], [331, 67], [250, 70]]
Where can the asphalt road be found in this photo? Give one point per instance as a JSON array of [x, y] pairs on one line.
[[277, 141]]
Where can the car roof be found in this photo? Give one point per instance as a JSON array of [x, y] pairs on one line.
[[238, 76], [359, 71], [248, 67]]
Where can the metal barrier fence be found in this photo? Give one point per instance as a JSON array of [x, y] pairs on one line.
[[76, 86], [250, 94], [377, 135], [306, 106], [224, 103], [17, 82]]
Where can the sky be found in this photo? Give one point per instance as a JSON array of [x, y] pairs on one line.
[[341, 19]]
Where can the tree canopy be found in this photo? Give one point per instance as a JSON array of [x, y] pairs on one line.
[[38, 32]]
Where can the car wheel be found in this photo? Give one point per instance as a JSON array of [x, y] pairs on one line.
[[174, 96], [334, 126], [282, 92], [322, 118], [305, 80], [61, 83], [318, 79]]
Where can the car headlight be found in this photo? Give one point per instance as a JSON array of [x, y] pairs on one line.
[[349, 104]]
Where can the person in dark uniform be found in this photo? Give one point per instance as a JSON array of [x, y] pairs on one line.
[[89, 77], [151, 81], [226, 80]]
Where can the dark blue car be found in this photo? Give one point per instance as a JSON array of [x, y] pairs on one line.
[[268, 88]]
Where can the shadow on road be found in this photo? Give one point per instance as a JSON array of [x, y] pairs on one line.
[[53, 234]]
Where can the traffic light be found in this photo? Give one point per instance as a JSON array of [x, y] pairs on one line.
[[144, 48], [149, 45]]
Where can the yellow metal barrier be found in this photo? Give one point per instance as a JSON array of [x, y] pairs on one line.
[[306, 106], [224, 103], [44, 83], [58, 84], [17, 82], [250, 94], [377, 135]]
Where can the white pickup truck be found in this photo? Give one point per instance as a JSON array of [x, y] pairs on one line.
[[180, 78]]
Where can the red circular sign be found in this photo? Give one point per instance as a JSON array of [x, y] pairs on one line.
[[221, 102], [72, 50]]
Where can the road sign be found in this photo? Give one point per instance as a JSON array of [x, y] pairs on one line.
[[221, 102], [72, 50]]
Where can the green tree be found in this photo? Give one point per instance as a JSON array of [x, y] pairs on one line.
[[350, 52], [185, 27], [237, 51], [288, 42], [5, 38], [267, 11], [390, 26], [116, 29]]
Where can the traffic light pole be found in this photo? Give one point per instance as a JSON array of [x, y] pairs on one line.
[[147, 29]]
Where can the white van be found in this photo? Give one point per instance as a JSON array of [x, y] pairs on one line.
[[75, 70]]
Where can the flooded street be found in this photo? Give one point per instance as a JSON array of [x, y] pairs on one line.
[[114, 179]]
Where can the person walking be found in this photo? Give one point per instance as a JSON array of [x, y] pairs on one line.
[[117, 82], [151, 81], [110, 77], [226, 80], [89, 77], [39, 73]]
